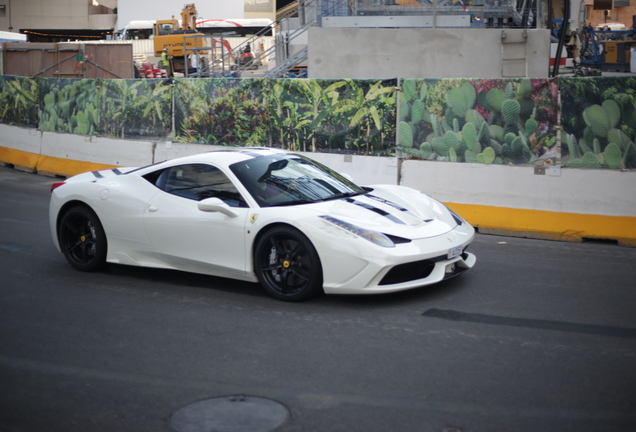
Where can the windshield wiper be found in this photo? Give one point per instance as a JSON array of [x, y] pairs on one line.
[[343, 195]]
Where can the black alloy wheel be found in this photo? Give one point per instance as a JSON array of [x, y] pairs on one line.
[[82, 239], [287, 265]]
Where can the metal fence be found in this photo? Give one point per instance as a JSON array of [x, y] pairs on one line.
[[476, 13]]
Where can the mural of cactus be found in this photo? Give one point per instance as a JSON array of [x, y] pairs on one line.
[[618, 154], [510, 110], [487, 156], [599, 115], [405, 110], [575, 153], [469, 134], [495, 99], [470, 123], [406, 135], [409, 90], [69, 105], [417, 111], [426, 150], [613, 156], [441, 146], [461, 99], [600, 119], [526, 88], [531, 126]]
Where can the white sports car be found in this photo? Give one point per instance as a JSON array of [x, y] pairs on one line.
[[264, 215]]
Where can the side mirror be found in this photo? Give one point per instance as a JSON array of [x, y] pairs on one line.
[[216, 205]]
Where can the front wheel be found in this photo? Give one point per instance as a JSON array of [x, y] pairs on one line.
[[287, 265], [82, 239]]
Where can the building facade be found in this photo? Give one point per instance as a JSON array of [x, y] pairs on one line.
[[61, 20]]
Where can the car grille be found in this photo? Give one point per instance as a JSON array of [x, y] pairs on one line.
[[410, 271], [416, 270]]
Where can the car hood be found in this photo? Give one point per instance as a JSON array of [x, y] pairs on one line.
[[393, 210]]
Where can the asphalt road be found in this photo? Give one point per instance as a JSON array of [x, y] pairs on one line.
[[539, 336]]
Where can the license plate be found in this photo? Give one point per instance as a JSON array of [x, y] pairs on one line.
[[455, 252]]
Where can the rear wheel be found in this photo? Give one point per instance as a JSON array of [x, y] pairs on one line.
[[287, 265], [82, 239]]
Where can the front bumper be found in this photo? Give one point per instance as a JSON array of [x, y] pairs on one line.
[[416, 264], [439, 270]]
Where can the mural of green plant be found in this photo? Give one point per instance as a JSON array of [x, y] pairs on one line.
[[487, 121], [295, 108], [222, 111], [136, 108], [484, 121], [371, 111], [599, 121], [69, 105], [355, 116], [18, 101]]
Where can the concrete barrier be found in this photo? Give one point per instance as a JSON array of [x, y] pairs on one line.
[[52, 153], [567, 204]]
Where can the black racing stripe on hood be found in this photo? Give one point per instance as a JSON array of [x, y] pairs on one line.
[[392, 204], [376, 210], [116, 171], [98, 174]]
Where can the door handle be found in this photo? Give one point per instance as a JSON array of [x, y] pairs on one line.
[[152, 208]]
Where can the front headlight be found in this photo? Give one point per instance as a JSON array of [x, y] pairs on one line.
[[374, 237]]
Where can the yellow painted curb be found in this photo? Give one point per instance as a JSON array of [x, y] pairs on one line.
[[574, 227], [20, 159], [66, 167], [48, 165]]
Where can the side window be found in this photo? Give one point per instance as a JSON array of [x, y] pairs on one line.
[[198, 182]]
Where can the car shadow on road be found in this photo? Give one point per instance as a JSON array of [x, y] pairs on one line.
[[153, 277], [156, 276], [429, 293]]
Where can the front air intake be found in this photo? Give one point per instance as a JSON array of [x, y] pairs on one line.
[[410, 271]]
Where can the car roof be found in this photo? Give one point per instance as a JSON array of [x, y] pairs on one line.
[[225, 157]]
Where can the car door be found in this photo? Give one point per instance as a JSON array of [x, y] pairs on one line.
[[192, 239]]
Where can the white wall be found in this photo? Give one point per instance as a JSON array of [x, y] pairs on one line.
[[46, 14], [82, 148], [425, 53], [569, 190], [129, 10], [106, 151], [74, 14], [102, 21]]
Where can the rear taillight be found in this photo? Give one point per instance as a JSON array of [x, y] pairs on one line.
[[56, 185]]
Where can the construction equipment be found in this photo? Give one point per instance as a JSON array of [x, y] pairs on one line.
[[216, 63], [608, 49], [245, 58], [169, 35]]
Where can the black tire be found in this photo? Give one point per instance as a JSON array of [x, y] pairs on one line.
[[287, 265], [82, 239]]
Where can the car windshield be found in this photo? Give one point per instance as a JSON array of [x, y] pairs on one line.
[[281, 180]]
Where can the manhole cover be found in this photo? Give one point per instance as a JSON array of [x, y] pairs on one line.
[[230, 414]]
